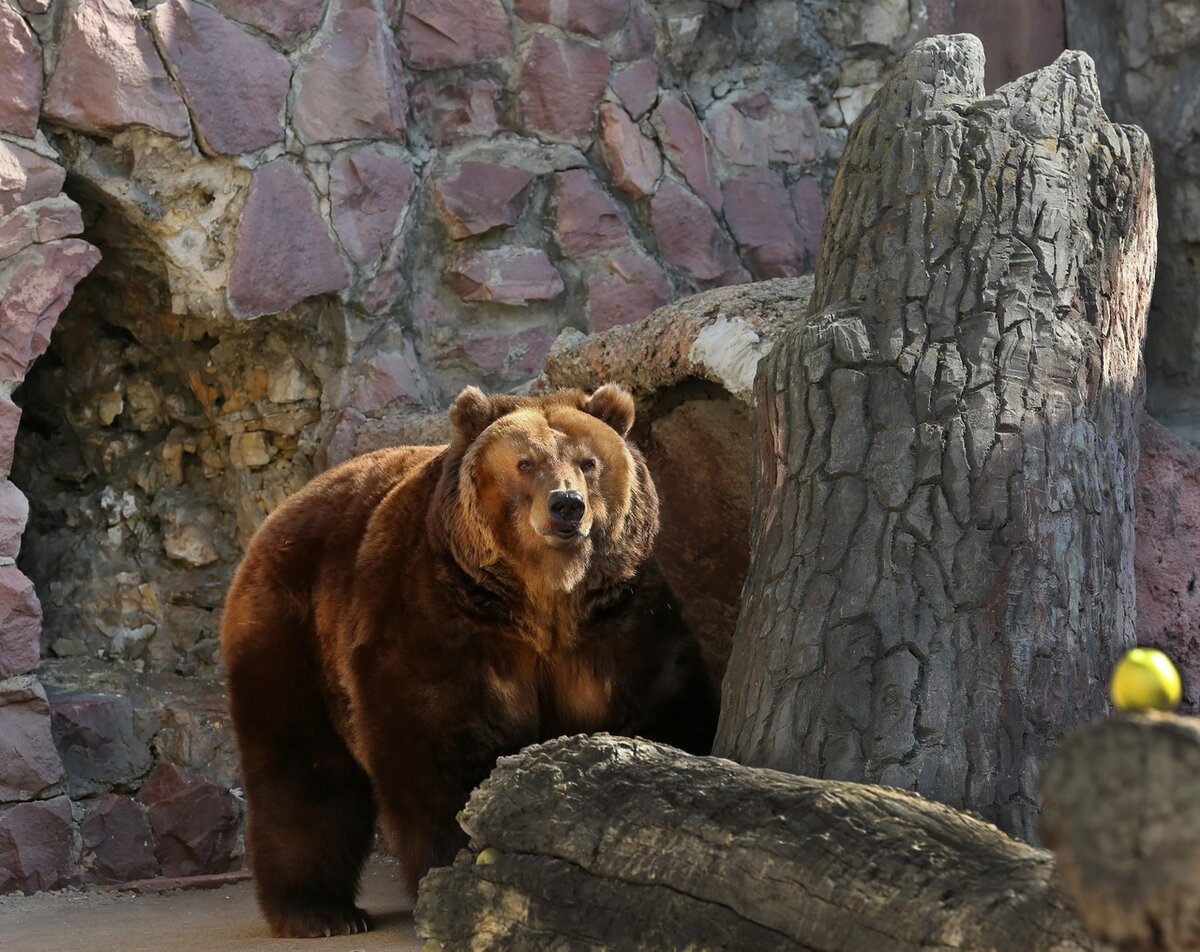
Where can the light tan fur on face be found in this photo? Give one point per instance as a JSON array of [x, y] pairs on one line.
[[520, 459]]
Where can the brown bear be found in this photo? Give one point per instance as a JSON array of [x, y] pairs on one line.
[[414, 613]]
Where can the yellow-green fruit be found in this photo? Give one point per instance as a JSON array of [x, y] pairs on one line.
[[1145, 679], [487, 857]]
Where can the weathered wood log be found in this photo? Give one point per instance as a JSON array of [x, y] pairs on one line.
[[942, 550], [1121, 810], [613, 843]]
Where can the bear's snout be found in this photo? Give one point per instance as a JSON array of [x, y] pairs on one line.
[[566, 510]]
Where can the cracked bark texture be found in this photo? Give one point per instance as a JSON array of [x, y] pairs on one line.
[[613, 843], [1123, 818], [942, 533]]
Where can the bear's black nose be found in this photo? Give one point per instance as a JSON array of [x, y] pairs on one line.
[[567, 505]]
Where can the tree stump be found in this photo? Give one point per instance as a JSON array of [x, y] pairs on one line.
[[941, 571], [1122, 814], [614, 843]]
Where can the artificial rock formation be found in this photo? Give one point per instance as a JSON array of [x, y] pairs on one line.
[[604, 842], [942, 558]]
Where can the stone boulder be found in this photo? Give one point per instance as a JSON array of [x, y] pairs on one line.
[[29, 764], [38, 849]]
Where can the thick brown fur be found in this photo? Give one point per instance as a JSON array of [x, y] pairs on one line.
[[407, 618]]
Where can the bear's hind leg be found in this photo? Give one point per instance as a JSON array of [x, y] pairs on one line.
[[311, 818]]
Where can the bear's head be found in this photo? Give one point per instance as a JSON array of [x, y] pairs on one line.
[[547, 490]]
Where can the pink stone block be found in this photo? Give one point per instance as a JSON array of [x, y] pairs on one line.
[[451, 111], [636, 85], [586, 220], [506, 275], [435, 34], [560, 87], [35, 285], [37, 847], [14, 513], [286, 20], [195, 830], [20, 625], [385, 378], [760, 215], [482, 196], [20, 74], [520, 353], [690, 238], [117, 844], [29, 764], [594, 18], [38, 223], [283, 252], [369, 188], [350, 82], [109, 76], [631, 288], [756, 130], [26, 177], [235, 84], [633, 159], [10, 420], [684, 144], [637, 39]]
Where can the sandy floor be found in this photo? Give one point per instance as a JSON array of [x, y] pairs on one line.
[[211, 920]]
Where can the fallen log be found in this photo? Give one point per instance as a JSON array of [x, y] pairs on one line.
[[614, 843], [1121, 811]]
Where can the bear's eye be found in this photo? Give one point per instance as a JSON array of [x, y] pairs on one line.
[[525, 465], [587, 465]]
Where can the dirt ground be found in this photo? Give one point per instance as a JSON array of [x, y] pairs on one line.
[[210, 920]]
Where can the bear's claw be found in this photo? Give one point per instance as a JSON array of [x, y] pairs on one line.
[[313, 923]]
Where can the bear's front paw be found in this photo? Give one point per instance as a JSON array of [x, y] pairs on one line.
[[313, 922]]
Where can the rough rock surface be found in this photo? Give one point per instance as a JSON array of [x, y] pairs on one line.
[[20, 75], [20, 623], [561, 84], [29, 764], [510, 275], [1168, 552], [1148, 57], [284, 253], [351, 81], [633, 159], [38, 848], [118, 846], [285, 20], [109, 75], [435, 34], [235, 84], [482, 196]]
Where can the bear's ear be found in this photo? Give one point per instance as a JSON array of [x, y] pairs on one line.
[[470, 414], [612, 404]]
